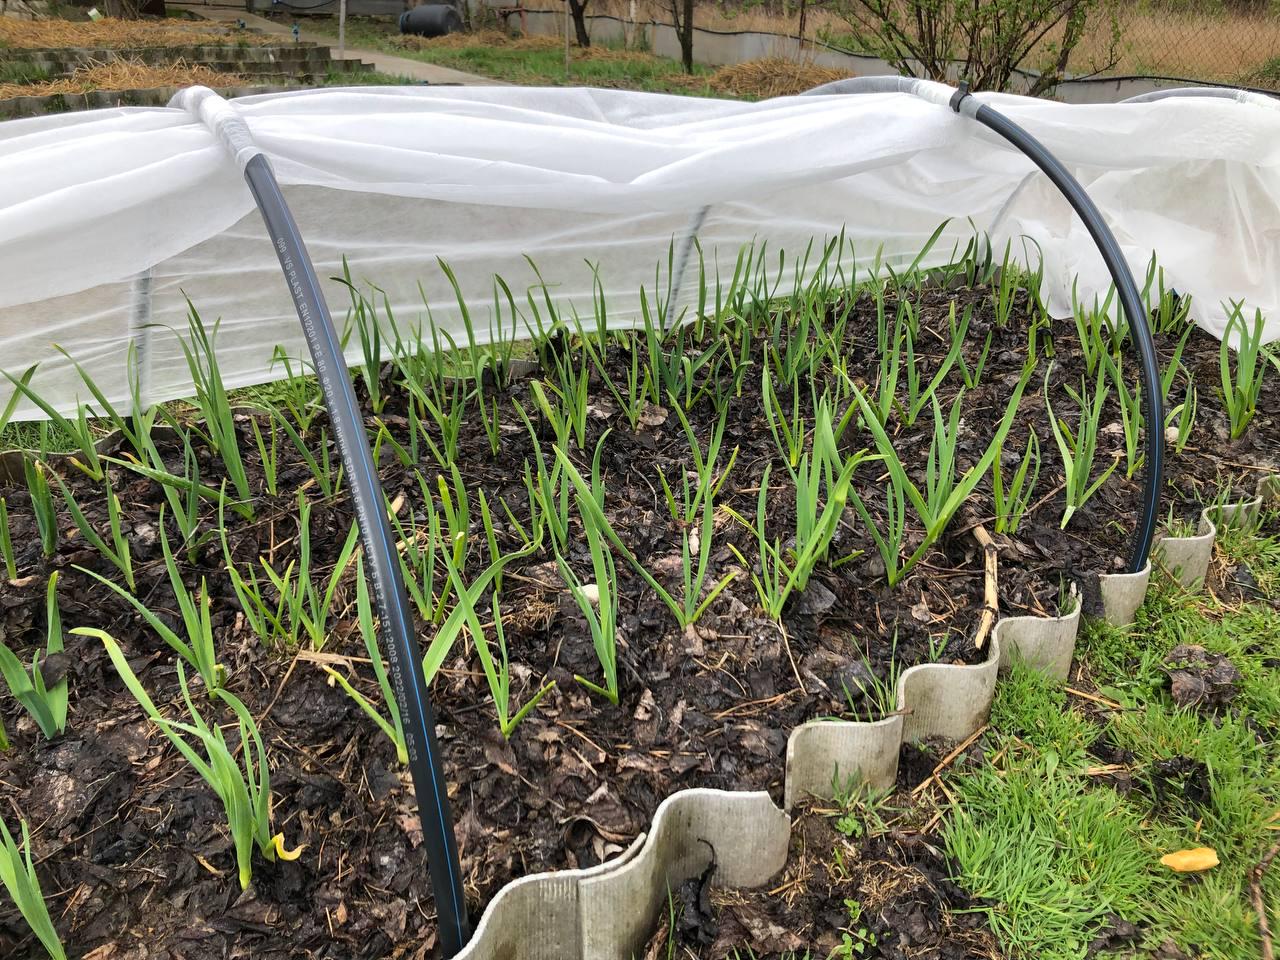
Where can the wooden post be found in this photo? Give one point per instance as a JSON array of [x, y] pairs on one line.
[[342, 29]]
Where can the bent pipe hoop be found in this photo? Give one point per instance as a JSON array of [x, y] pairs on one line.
[[1130, 301], [398, 639], [1215, 93]]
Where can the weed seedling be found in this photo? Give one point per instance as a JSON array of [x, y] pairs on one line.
[[1012, 502], [393, 728], [118, 553], [33, 472], [243, 786], [6, 543], [18, 874], [601, 615], [498, 673], [47, 703], [1242, 380], [212, 399], [1078, 448], [198, 647]]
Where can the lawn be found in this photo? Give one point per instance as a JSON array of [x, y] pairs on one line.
[[1060, 824], [531, 61]]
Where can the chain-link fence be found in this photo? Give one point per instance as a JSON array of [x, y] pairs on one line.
[[1224, 42]]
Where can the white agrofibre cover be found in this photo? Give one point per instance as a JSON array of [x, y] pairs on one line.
[[392, 178]]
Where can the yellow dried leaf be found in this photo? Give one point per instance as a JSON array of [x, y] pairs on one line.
[[283, 854], [1191, 861]]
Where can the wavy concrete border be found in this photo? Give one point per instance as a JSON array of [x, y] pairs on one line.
[[608, 911], [1186, 558]]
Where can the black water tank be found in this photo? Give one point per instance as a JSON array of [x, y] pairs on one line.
[[431, 20]]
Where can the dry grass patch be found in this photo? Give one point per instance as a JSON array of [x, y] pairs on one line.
[[110, 34], [772, 77], [124, 75]]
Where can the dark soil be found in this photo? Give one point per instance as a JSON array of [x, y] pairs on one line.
[[1201, 680], [134, 855]]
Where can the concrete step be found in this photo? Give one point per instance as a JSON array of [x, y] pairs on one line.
[[16, 107], [279, 53], [44, 69]]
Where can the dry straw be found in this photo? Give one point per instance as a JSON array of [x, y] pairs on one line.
[[113, 34], [124, 75], [772, 77]]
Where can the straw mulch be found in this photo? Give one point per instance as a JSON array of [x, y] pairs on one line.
[[771, 77], [124, 75], [111, 34]]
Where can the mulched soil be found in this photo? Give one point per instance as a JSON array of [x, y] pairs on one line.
[[135, 859]]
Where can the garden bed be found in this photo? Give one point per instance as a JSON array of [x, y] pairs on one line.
[[133, 844]]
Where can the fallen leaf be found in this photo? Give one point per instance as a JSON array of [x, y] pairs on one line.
[[411, 824], [287, 855], [1191, 861], [652, 416], [921, 611]]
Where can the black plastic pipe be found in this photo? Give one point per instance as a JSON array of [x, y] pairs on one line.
[[1130, 301], [398, 638]]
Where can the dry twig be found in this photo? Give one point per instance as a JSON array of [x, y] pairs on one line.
[[990, 595], [1259, 902]]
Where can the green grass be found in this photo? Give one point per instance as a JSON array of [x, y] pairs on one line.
[[365, 78], [19, 71], [541, 66], [1057, 851]]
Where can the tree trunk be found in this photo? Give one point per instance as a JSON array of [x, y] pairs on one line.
[[686, 37], [578, 10]]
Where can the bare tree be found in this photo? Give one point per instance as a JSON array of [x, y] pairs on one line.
[[984, 41], [682, 17], [578, 10]]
